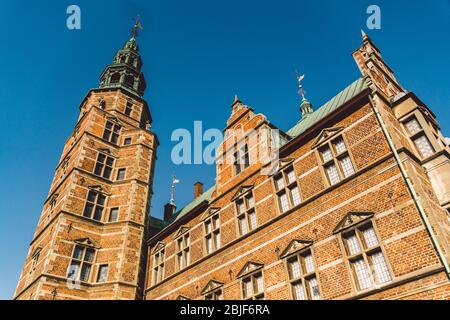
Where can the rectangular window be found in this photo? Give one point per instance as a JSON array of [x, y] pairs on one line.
[[112, 132], [102, 273], [128, 108], [95, 204], [336, 161], [127, 141], [247, 220], [241, 160], [214, 295], [253, 287], [113, 214], [419, 137], [158, 267], [212, 234], [104, 166], [121, 174], [287, 190], [303, 277], [366, 257], [183, 252], [81, 264]]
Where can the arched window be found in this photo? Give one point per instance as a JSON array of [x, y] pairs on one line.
[[129, 81]]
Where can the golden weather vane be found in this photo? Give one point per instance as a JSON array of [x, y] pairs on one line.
[[137, 25]]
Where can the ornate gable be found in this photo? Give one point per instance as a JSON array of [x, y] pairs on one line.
[[182, 230], [211, 286], [326, 135], [87, 243], [294, 247], [209, 213], [242, 191], [250, 267], [352, 219], [159, 246]]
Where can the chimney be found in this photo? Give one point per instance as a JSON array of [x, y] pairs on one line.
[[198, 189], [169, 210]]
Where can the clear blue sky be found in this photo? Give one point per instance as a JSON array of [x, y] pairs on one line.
[[197, 55]]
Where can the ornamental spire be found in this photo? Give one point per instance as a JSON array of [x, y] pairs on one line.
[[306, 108], [137, 25]]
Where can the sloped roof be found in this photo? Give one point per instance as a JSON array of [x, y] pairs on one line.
[[341, 98]]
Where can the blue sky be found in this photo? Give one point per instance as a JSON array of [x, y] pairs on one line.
[[198, 54]]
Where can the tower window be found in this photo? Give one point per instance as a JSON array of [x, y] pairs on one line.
[[246, 214], [81, 264], [121, 174], [158, 267], [366, 259], [95, 204], [336, 161], [127, 141], [212, 231], [128, 108], [114, 214], [302, 276], [102, 273], [253, 287], [115, 78], [287, 190], [418, 136], [112, 132], [104, 166], [241, 160], [183, 252]]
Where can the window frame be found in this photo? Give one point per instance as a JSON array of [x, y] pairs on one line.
[[183, 252], [215, 230], [81, 262], [104, 164], [158, 266], [287, 188], [95, 205], [248, 211], [253, 276], [214, 295], [112, 134], [304, 277], [99, 273], [241, 159], [128, 108], [422, 133], [119, 177], [364, 254], [336, 159]]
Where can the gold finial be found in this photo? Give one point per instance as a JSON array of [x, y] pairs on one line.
[[300, 78], [137, 25]]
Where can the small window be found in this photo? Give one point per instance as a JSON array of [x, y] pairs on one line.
[[127, 141], [81, 264], [183, 252], [214, 295], [253, 287], [212, 234], [128, 108], [287, 189], [104, 166], [246, 214], [95, 204], [113, 214], [121, 174], [241, 160], [102, 273], [112, 132], [158, 266], [420, 139]]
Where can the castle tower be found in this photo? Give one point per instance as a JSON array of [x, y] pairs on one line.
[[89, 242]]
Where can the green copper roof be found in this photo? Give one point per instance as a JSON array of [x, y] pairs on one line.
[[157, 223], [344, 96]]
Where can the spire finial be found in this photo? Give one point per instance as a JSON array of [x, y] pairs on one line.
[[137, 25], [364, 35], [175, 181], [301, 92]]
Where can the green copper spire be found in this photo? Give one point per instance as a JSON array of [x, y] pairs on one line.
[[125, 71]]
